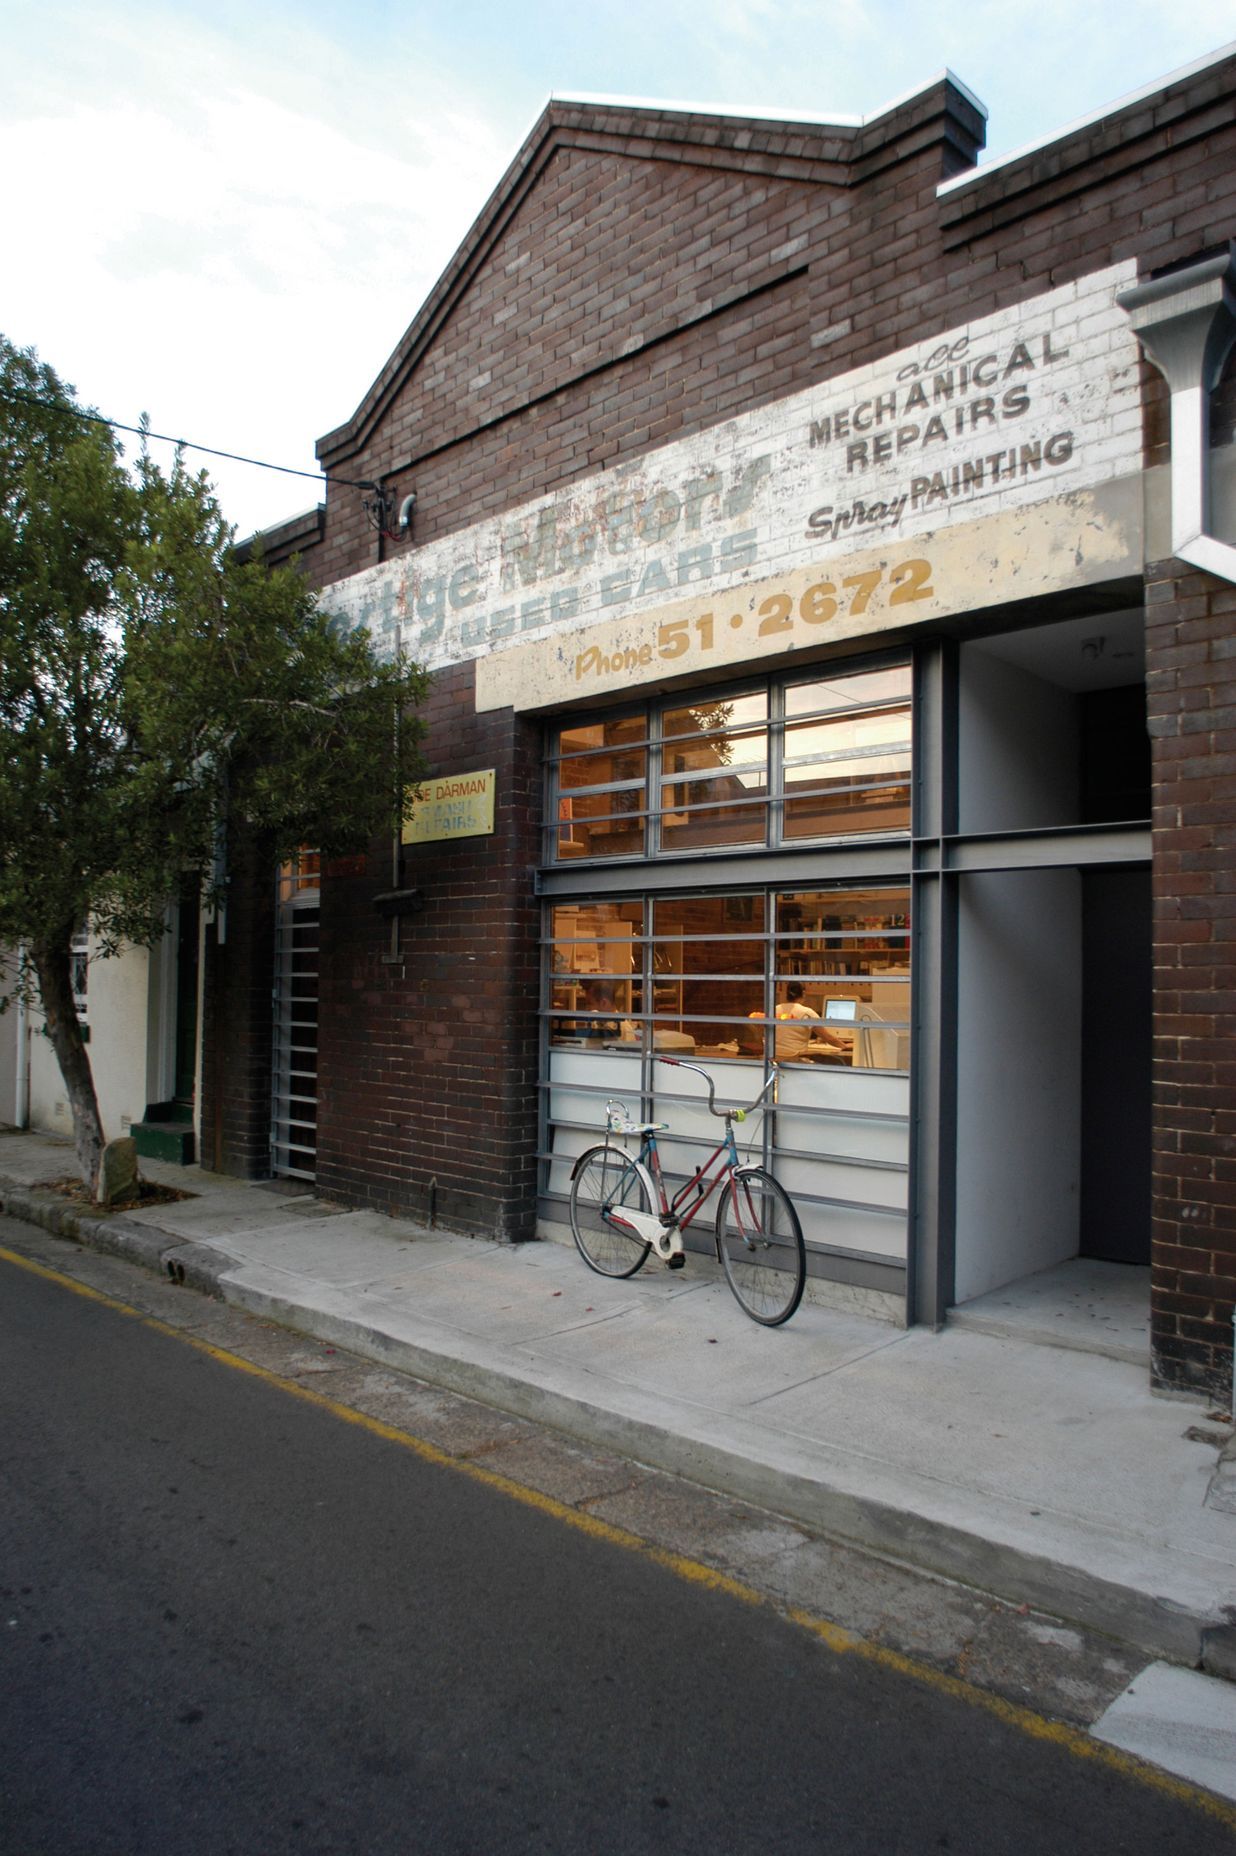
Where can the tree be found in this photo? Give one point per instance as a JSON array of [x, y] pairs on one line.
[[157, 693]]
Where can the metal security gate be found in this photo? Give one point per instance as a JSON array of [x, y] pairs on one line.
[[294, 1107]]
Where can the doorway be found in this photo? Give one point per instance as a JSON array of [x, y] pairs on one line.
[[1114, 1213], [1054, 956], [184, 1064]]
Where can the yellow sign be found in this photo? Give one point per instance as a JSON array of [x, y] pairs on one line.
[[1065, 542], [454, 805]]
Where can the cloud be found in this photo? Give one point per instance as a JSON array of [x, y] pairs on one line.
[[232, 251], [1036, 68], [227, 215]]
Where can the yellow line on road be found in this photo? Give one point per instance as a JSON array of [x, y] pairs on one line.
[[1074, 1740]]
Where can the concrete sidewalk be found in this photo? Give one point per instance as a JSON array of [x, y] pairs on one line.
[[1045, 1476]]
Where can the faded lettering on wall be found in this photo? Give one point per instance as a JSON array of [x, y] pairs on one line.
[[1034, 401]]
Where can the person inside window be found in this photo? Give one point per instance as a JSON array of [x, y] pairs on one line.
[[599, 996], [798, 1027]]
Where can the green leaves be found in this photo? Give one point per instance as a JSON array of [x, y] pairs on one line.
[[154, 688]]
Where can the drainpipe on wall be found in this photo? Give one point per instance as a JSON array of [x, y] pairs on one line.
[[1186, 323], [21, 1089]]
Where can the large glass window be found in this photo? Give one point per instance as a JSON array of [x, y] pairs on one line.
[[809, 967], [596, 976], [709, 955], [844, 956], [846, 755], [602, 776], [821, 759], [818, 977], [714, 774]]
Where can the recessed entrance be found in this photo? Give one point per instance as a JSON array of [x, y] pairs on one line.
[[1054, 968], [1114, 1222]]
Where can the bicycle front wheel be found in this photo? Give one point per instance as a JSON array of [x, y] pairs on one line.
[[606, 1178], [761, 1245]]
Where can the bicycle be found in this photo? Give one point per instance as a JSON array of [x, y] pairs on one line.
[[621, 1210]]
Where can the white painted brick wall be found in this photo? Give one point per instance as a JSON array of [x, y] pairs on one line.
[[585, 557]]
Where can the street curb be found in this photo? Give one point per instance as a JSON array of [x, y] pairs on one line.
[[151, 1249], [1010, 1573], [1013, 1574]]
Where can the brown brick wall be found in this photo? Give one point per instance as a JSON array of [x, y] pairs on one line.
[[650, 297], [427, 1065], [1191, 697], [237, 1022], [633, 406], [604, 254]]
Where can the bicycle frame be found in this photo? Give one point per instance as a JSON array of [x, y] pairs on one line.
[[663, 1230], [671, 1208]]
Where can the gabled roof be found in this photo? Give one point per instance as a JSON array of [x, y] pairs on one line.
[[836, 154]]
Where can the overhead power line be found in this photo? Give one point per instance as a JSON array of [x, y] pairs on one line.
[[186, 444]]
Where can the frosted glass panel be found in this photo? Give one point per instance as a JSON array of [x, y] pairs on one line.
[[581, 1080], [844, 1229], [835, 1180]]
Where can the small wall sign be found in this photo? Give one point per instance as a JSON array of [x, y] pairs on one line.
[[453, 805]]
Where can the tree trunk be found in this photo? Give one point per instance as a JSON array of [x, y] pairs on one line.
[[54, 967]]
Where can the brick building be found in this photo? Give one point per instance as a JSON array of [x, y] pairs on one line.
[[818, 592]]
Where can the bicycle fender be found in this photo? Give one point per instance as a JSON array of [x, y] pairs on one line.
[[580, 1158]]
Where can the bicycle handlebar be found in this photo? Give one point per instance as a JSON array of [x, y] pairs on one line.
[[738, 1114]]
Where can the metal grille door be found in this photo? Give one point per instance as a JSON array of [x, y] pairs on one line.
[[294, 1110]]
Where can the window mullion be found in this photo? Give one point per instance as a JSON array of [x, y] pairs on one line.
[[656, 759], [776, 765]]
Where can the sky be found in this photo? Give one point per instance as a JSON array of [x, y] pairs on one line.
[[225, 216]]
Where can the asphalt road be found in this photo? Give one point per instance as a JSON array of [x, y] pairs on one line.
[[230, 1622]]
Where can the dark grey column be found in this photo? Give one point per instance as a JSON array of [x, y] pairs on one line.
[[933, 939]]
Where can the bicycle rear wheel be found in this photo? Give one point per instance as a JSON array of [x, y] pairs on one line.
[[761, 1245], [606, 1177]]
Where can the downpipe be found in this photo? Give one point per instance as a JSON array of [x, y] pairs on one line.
[[1186, 324], [21, 1081]]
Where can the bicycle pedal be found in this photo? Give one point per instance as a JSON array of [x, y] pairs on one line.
[[676, 1261]]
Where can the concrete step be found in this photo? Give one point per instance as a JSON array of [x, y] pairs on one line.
[[171, 1141]]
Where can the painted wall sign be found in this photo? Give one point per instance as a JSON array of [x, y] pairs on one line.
[[458, 805], [1091, 535], [1016, 408]]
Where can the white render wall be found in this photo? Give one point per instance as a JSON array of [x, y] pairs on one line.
[[1018, 1076], [1018, 747], [1020, 985], [8, 1049], [118, 992]]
